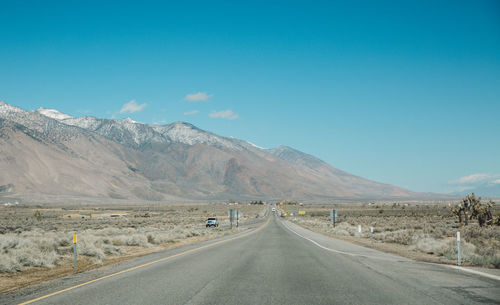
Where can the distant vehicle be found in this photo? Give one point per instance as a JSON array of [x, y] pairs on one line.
[[274, 209], [212, 222]]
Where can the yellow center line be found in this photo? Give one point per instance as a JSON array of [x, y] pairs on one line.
[[146, 264]]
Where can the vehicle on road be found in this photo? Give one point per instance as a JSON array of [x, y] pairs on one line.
[[212, 222], [274, 209]]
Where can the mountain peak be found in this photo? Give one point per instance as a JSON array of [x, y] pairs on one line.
[[6, 108], [129, 120], [53, 114]]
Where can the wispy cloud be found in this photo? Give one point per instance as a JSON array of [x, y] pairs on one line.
[[197, 97], [132, 107], [223, 114], [191, 112], [474, 178], [473, 182]]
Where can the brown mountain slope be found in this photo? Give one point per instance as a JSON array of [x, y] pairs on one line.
[[100, 158], [83, 165]]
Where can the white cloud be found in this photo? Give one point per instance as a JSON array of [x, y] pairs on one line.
[[197, 97], [191, 112], [223, 114], [473, 182], [132, 107], [471, 179]]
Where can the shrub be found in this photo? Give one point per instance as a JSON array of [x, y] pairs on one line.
[[429, 245], [9, 264], [403, 236], [90, 247]]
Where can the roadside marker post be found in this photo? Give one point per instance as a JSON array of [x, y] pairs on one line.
[[371, 236], [237, 218], [231, 218], [459, 259], [359, 228], [74, 251]]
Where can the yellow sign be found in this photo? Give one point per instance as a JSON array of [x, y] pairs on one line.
[[74, 239], [302, 212], [287, 212]]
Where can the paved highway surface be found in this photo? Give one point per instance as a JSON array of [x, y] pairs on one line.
[[279, 263]]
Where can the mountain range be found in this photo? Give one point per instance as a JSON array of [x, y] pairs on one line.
[[45, 154]]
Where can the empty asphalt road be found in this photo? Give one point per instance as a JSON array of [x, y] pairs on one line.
[[280, 263]]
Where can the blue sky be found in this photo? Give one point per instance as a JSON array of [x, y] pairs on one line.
[[402, 92]]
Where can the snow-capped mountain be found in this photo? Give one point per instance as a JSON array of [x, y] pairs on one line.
[[135, 134], [52, 153]]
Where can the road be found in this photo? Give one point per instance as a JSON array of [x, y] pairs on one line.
[[278, 263]]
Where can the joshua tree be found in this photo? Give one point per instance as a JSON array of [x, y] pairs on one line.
[[473, 206], [38, 215], [483, 213]]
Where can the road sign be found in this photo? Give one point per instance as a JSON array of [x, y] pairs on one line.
[[302, 212], [333, 216]]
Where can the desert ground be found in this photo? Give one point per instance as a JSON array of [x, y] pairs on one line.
[[36, 242], [420, 231]]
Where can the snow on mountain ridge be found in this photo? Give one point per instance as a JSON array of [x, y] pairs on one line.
[[132, 133], [7, 109], [128, 130], [54, 114], [256, 146]]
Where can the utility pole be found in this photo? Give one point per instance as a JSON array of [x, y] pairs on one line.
[[231, 218], [237, 218]]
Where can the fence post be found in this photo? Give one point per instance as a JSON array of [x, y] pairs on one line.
[[459, 259], [74, 251], [371, 236]]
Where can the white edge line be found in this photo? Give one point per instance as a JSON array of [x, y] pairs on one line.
[[326, 248], [491, 276]]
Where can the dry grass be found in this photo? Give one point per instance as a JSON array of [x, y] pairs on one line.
[[32, 245], [422, 232]]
